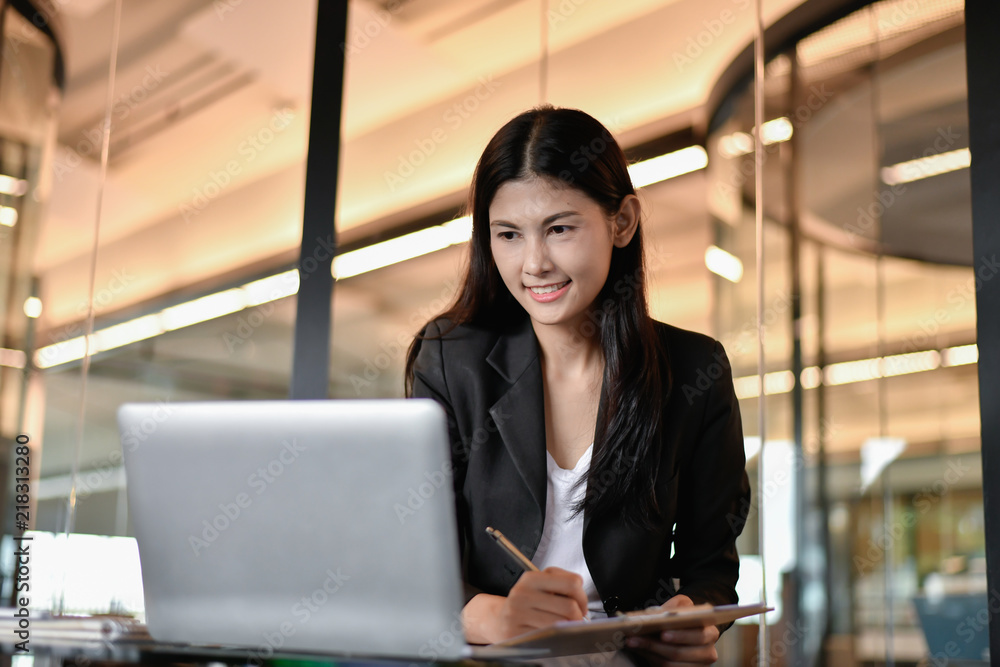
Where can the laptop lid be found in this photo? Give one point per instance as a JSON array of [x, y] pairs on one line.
[[317, 526]]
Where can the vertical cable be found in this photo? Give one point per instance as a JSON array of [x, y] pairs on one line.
[[821, 419], [89, 326], [3, 21], [883, 432], [802, 511], [543, 60], [881, 400], [758, 114]]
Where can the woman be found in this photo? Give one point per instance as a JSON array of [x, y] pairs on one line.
[[595, 438]]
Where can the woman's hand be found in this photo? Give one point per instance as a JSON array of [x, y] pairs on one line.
[[537, 600], [685, 646]]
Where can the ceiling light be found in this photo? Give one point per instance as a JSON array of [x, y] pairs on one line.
[[252, 294], [12, 358], [402, 248], [736, 144], [723, 264], [812, 377], [914, 362], [861, 370], [776, 131], [925, 167], [960, 356], [667, 166], [33, 307], [8, 216], [851, 371], [741, 143], [460, 229], [203, 309], [777, 382], [747, 386], [271, 288], [61, 353], [128, 332], [14, 187]]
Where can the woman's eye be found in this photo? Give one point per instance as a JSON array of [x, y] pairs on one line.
[[506, 236], [559, 229]]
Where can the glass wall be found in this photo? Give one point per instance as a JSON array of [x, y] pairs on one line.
[[869, 335], [180, 233], [185, 245], [30, 93]]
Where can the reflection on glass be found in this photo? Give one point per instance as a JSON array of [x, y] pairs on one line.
[[29, 102], [871, 191], [193, 288]]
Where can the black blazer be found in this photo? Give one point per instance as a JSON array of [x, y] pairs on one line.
[[490, 385]]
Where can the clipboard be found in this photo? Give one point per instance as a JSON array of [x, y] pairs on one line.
[[609, 634]]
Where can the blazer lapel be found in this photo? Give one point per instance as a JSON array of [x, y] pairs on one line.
[[519, 414], [601, 406]]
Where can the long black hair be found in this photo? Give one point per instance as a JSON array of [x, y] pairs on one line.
[[570, 148]]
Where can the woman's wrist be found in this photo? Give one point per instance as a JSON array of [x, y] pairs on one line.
[[479, 617]]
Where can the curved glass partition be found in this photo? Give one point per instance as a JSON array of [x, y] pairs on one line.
[[870, 345]]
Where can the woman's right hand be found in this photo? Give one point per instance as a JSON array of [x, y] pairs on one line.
[[537, 600]]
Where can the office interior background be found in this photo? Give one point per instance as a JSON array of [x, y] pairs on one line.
[[182, 226]]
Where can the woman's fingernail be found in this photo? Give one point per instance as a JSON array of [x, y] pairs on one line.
[[634, 642], [667, 636]]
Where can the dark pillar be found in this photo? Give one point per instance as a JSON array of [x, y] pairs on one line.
[[311, 353], [982, 54]]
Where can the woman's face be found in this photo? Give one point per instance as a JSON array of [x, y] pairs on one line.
[[552, 245]]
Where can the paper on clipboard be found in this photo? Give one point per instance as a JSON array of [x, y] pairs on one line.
[[605, 635]]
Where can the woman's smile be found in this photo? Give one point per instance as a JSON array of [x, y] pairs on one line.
[[549, 292]]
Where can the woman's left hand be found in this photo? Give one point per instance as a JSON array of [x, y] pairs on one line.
[[685, 646]]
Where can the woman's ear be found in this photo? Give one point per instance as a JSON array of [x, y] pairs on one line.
[[626, 221]]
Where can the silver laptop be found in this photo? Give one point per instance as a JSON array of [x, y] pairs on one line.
[[297, 526]]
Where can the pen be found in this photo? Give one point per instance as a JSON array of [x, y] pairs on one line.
[[513, 551]]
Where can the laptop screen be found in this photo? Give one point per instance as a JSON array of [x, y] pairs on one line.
[[295, 525]]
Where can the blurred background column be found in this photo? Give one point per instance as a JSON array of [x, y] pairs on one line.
[[983, 52]]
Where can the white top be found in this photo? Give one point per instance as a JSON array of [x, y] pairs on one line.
[[562, 537]]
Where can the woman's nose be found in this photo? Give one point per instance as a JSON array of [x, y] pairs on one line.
[[536, 258]]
